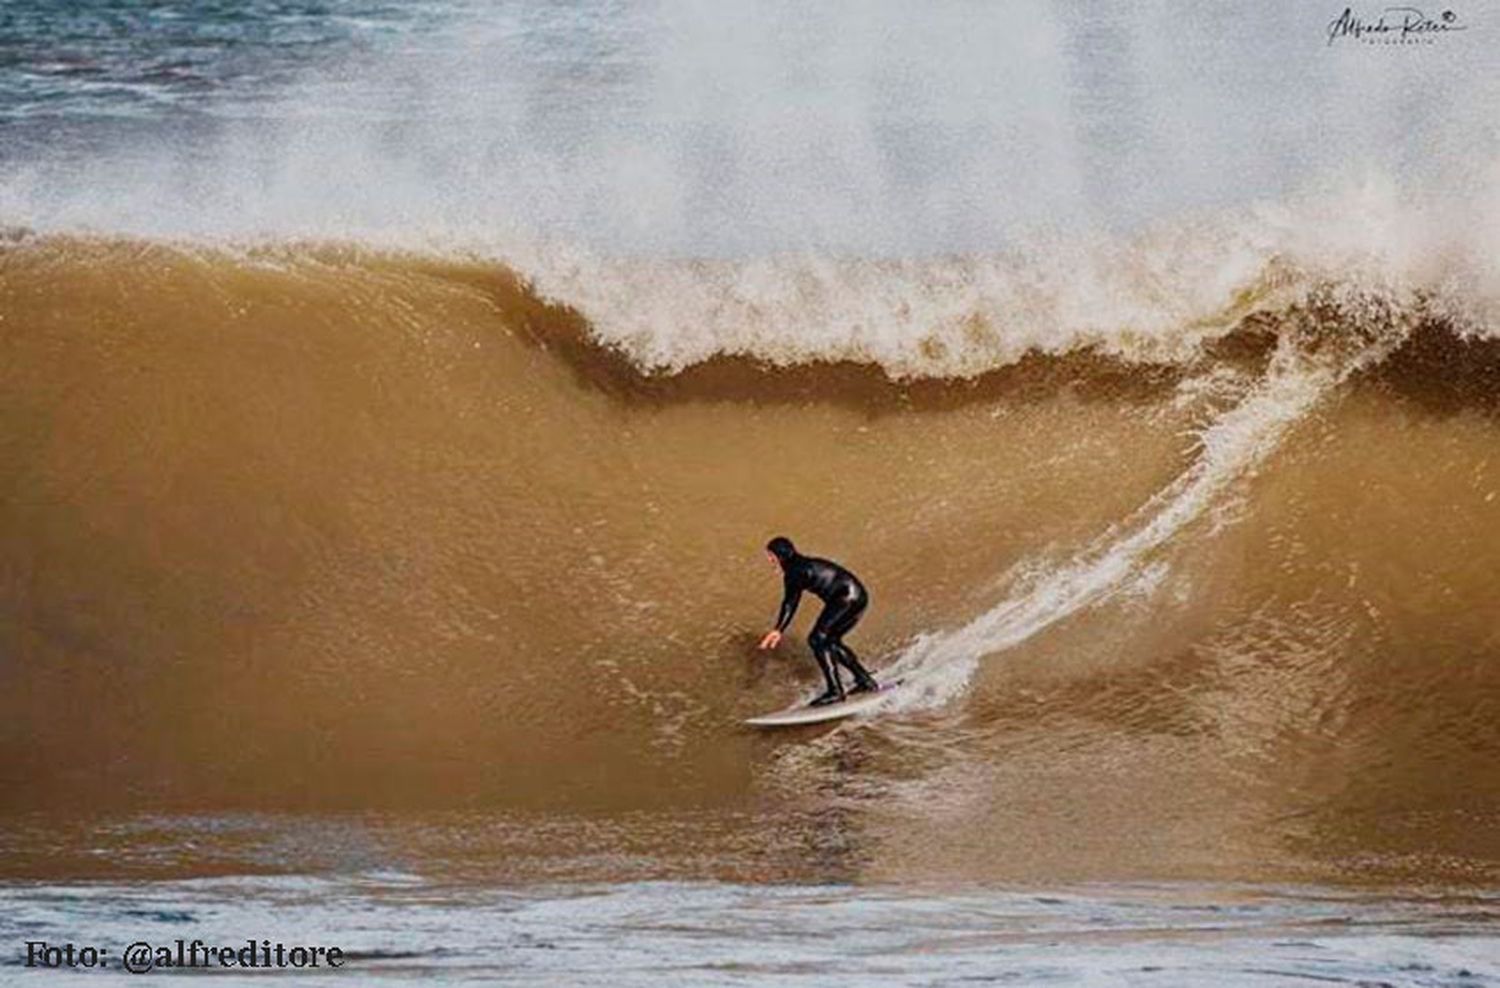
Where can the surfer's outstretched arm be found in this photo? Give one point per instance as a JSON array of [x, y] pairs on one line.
[[788, 611], [789, 602]]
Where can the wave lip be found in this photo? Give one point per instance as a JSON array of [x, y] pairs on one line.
[[1158, 297]]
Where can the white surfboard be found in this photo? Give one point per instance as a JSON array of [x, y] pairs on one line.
[[803, 714]]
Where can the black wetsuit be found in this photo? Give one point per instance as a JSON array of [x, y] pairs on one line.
[[844, 602]]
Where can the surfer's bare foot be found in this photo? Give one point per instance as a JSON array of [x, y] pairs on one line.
[[826, 699]]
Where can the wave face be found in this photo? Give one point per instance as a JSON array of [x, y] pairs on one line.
[[316, 525]]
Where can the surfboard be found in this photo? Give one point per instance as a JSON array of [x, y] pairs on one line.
[[803, 714]]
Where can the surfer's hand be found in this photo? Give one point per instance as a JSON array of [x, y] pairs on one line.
[[772, 639]]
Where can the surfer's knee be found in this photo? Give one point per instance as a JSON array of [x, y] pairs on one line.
[[819, 640]]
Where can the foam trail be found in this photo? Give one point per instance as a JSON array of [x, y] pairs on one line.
[[1234, 444]]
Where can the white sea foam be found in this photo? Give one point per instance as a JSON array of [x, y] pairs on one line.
[[1156, 296]]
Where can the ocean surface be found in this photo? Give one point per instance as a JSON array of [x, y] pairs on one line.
[[395, 399]]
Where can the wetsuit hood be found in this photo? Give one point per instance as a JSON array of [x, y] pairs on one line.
[[781, 547]]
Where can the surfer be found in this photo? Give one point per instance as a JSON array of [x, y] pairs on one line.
[[844, 601]]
